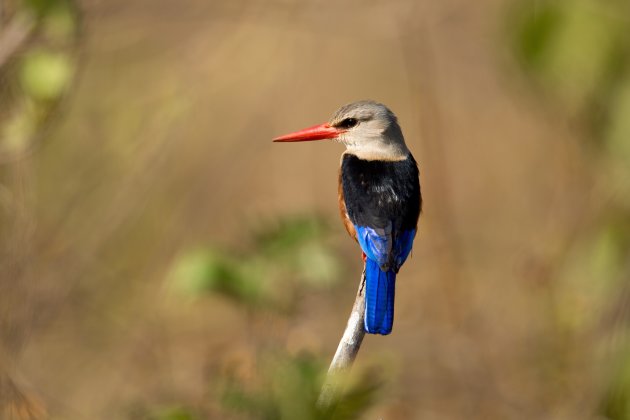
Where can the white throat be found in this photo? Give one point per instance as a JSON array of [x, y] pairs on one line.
[[377, 149]]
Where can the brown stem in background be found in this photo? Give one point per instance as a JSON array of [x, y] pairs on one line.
[[346, 351], [421, 59], [14, 35]]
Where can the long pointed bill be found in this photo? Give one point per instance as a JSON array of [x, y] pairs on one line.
[[317, 132]]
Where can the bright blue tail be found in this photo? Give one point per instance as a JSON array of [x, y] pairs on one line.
[[379, 298]]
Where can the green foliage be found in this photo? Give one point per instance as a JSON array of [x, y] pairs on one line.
[[45, 75], [163, 412], [592, 273], [289, 387], [286, 234], [43, 69], [578, 51], [171, 413], [299, 243], [60, 24], [283, 259], [536, 28], [615, 403], [617, 132], [43, 8], [17, 132], [358, 397], [210, 270]]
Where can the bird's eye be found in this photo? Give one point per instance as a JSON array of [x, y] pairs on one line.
[[348, 123]]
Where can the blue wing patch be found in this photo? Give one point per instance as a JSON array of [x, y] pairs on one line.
[[375, 243], [380, 246], [402, 246]]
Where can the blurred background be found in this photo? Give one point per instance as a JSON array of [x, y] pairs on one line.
[[160, 258]]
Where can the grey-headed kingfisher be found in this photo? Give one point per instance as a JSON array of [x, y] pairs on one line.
[[379, 197]]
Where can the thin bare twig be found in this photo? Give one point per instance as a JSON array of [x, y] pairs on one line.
[[346, 351], [14, 35]]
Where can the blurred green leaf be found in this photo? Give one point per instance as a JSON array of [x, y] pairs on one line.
[[577, 50], [206, 270], [43, 68], [579, 58], [59, 24], [286, 258], [289, 233], [196, 271], [615, 402], [289, 387], [171, 413], [618, 132], [592, 273], [358, 397], [45, 74], [44, 7], [536, 27], [317, 265], [20, 127]]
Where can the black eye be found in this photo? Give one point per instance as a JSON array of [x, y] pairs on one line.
[[348, 123]]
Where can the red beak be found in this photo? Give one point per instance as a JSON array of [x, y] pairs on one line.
[[317, 132]]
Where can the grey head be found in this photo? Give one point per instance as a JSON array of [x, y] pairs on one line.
[[370, 131]]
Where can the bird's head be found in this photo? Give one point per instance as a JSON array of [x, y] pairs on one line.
[[368, 129]]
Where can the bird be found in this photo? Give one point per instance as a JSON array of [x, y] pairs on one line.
[[379, 197]]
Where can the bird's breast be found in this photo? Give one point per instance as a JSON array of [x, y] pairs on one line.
[[378, 193]]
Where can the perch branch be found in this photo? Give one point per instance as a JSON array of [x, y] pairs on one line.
[[346, 351]]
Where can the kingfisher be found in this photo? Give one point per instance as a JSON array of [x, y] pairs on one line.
[[379, 197]]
